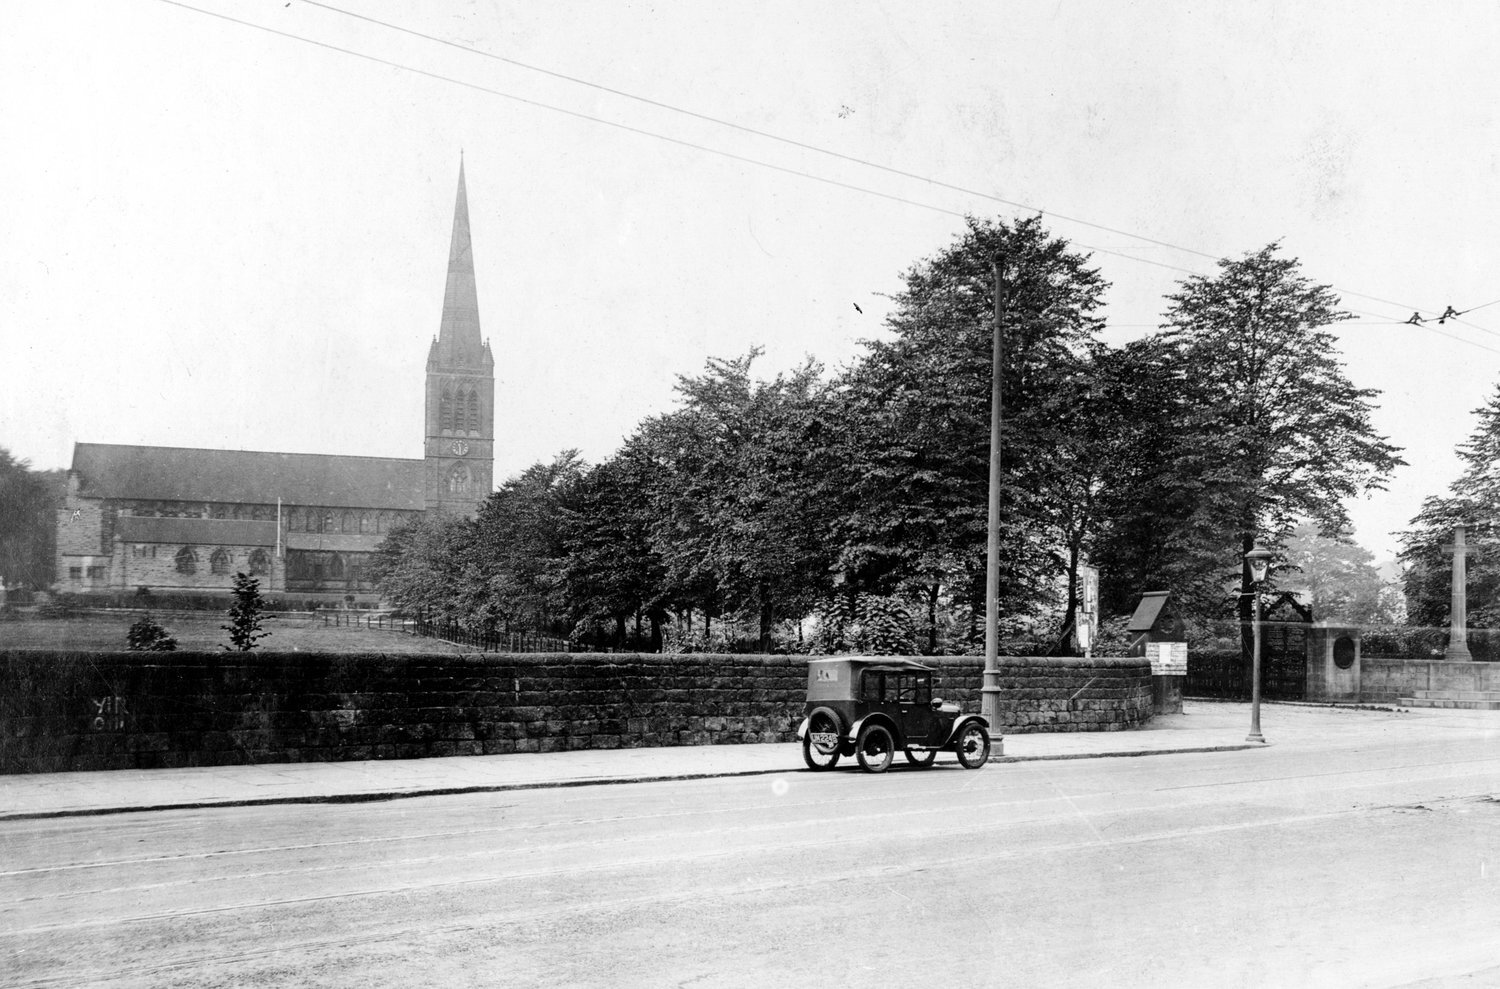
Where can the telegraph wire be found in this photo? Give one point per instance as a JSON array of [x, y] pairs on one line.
[[634, 130], [557, 109], [659, 104], [792, 142], [1415, 320], [1452, 336]]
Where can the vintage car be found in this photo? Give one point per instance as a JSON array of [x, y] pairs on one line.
[[869, 707]]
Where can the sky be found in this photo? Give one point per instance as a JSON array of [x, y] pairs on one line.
[[233, 233]]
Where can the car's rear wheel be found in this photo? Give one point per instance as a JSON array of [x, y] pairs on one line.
[[921, 758], [820, 745], [973, 746], [875, 748]]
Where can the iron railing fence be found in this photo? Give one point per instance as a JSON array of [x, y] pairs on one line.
[[354, 619], [487, 641], [482, 641]]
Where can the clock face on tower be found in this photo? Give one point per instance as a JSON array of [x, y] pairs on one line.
[[459, 448]]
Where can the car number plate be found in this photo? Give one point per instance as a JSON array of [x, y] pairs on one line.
[[825, 740]]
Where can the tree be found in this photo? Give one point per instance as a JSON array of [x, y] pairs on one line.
[[1341, 580], [612, 569], [1279, 433], [515, 565], [28, 523], [1473, 500], [736, 468], [915, 457], [245, 615], [421, 565]]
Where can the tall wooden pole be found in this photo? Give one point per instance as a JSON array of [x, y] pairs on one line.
[[989, 702]]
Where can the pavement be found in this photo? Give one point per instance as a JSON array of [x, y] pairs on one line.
[[1204, 726]]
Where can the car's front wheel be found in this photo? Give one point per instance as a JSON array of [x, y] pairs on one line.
[[973, 746], [820, 744], [875, 748]]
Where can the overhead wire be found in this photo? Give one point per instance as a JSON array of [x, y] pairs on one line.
[[792, 142], [632, 129], [745, 159]]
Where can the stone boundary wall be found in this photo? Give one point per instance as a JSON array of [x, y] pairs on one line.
[[1384, 681], [64, 711]]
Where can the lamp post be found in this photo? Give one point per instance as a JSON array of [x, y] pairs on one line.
[[989, 693], [1259, 560]]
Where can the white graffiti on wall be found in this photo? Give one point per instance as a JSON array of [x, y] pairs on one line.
[[110, 713]]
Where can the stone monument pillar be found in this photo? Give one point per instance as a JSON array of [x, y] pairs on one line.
[[1458, 646]]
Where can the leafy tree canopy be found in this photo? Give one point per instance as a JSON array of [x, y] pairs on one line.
[[914, 448], [28, 522], [1473, 500], [1278, 432], [1339, 576]]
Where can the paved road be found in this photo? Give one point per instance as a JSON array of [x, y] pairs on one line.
[[1376, 864]]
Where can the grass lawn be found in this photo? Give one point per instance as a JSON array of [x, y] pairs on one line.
[[100, 633]]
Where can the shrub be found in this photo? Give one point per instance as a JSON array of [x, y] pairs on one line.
[[869, 624], [147, 635]]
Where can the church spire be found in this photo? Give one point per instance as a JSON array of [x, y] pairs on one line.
[[459, 332], [459, 451]]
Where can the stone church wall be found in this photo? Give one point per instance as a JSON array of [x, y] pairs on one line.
[[156, 568], [75, 711], [82, 562]]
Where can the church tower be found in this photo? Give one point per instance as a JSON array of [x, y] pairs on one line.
[[460, 444]]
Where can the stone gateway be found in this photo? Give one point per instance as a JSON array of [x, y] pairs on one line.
[[183, 521]]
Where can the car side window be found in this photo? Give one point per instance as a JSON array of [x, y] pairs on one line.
[[872, 687], [906, 689], [922, 690]]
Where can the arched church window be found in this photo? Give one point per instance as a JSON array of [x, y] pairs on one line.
[[187, 560], [473, 417], [350, 523], [364, 522], [458, 479], [446, 409], [335, 567], [296, 520], [219, 562], [260, 561], [330, 524]]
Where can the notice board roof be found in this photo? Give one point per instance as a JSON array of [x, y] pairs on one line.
[[1149, 611]]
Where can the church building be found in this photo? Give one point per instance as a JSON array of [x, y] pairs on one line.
[[183, 521]]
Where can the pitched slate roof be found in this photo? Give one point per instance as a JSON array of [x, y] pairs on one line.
[[108, 470], [218, 532], [1148, 611]]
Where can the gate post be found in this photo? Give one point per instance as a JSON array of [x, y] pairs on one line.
[[1333, 662]]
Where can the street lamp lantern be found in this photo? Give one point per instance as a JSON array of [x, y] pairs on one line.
[[1259, 560]]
